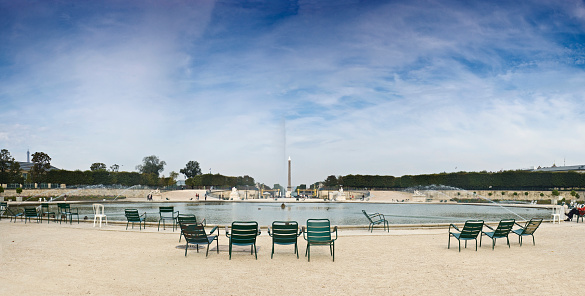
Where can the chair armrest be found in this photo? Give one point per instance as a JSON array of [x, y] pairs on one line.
[[300, 232], [259, 231], [518, 224], [453, 225], [214, 229], [488, 226], [334, 230], [204, 223], [270, 234], [227, 232]]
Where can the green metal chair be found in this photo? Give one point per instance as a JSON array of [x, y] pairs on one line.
[[195, 234], [31, 213], [318, 232], [503, 230], [46, 210], [470, 231], [187, 218], [6, 211], [528, 229], [132, 216], [376, 219], [284, 233], [167, 213], [67, 212], [243, 233]]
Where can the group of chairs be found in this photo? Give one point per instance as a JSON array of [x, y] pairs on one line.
[[64, 213], [474, 228], [244, 233]]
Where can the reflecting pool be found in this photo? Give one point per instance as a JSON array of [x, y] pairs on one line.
[[223, 213]]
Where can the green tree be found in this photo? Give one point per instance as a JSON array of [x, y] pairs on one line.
[[151, 165], [331, 181], [98, 166], [5, 160], [18, 190], [114, 168], [555, 192], [191, 169], [41, 165], [14, 174]]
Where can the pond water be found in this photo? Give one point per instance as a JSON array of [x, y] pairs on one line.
[[224, 213]]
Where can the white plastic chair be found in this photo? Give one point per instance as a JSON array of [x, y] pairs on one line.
[[98, 212], [556, 214]]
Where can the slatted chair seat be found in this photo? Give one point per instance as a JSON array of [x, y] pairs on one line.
[[132, 216], [318, 232], [243, 233], [528, 229], [470, 231], [284, 233], [195, 234], [376, 219], [503, 230]]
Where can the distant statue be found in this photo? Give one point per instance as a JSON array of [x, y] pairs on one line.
[[235, 195]]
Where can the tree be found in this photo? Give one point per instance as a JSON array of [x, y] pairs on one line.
[[151, 165], [97, 166], [114, 168], [41, 164], [191, 169], [5, 160], [331, 181]]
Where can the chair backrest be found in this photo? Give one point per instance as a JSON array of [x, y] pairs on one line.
[[194, 233], [318, 230], [471, 229], [186, 218], [531, 226], [285, 232], [30, 212], [98, 209], [166, 211], [45, 207], [132, 215], [504, 227], [64, 207], [367, 216], [244, 232]]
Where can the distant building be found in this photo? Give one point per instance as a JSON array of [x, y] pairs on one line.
[[26, 166], [554, 168]]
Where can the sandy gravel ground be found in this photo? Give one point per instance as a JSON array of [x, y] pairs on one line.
[[78, 259]]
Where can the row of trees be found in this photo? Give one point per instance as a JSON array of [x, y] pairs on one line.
[[218, 180], [466, 180]]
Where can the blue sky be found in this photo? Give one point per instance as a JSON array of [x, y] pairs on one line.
[[342, 87]]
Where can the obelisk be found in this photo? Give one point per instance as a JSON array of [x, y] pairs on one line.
[[289, 187]]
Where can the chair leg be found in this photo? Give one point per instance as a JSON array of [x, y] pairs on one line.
[[255, 253], [459, 245], [333, 247], [449, 243], [230, 250], [217, 244], [508, 241], [207, 252], [309, 252], [533, 242], [297, 250], [272, 254]]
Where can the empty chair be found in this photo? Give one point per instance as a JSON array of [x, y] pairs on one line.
[[98, 212], [67, 212], [470, 231], [187, 218], [167, 213], [132, 216], [195, 234], [31, 213], [503, 230], [528, 229], [6, 211], [284, 233], [557, 213], [318, 232], [243, 233], [376, 219], [46, 210]]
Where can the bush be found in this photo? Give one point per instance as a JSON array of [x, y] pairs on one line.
[[1, 189], [19, 190]]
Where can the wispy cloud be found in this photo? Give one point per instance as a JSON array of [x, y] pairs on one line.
[[383, 87]]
